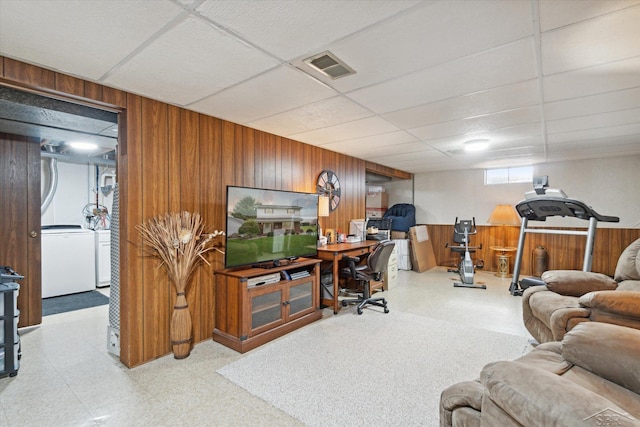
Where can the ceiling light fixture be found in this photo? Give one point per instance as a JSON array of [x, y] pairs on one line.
[[86, 146], [476, 145]]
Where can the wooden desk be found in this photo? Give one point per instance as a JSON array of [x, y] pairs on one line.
[[334, 253]]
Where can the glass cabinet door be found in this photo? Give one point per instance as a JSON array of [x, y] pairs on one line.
[[266, 308], [300, 298]]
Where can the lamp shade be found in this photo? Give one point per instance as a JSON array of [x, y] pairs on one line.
[[323, 206], [504, 215]]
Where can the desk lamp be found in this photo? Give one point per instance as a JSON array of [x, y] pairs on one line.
[[323, 212], [504, 215]]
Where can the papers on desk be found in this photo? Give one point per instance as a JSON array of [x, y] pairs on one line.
[[354, 239]]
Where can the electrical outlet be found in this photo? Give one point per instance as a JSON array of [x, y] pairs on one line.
[[113, 340]]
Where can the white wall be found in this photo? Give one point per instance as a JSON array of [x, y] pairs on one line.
[[76, 188], [610, 186]]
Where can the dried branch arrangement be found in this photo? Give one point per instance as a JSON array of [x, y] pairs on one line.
[[179, 241]]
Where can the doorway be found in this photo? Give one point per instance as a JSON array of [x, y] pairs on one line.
[[47, 181]]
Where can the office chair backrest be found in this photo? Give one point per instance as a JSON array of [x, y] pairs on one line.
[[379, 259]]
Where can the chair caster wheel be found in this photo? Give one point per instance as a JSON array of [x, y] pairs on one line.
[[344, 303], [386, 310], [359, 311]]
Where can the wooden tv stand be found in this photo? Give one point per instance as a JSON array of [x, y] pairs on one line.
[[249, 313]]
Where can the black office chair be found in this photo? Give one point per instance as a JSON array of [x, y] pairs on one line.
[[373, 270]]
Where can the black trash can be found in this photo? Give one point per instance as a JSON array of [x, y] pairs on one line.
[[10, 352]]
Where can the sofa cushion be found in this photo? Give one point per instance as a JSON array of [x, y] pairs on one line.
[[594, 345], [546, 356], [535, 397], [629, 285], [622, 303], [628, 267], [544, 304], [577, 283]]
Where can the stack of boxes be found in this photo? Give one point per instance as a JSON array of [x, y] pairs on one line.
[[377, 201]]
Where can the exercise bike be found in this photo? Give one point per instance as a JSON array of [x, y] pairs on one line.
[[461, 231]]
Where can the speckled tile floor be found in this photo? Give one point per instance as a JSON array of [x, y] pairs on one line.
[[68, 378]]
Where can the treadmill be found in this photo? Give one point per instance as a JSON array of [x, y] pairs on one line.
[[544, 202]]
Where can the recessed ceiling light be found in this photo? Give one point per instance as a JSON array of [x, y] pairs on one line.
[[86, 146], [476, 145]]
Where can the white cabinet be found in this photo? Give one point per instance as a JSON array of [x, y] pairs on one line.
[[391, 275], [103, 258]]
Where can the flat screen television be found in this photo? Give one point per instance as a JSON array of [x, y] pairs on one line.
[[266, 226]]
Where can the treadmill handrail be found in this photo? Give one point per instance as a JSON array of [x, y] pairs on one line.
[[539, 208]]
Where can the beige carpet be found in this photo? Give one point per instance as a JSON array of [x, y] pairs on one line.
[[375, 369]]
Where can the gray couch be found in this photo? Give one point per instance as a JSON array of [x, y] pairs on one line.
[[571, 297], [590, 378]]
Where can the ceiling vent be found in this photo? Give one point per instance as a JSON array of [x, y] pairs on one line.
[[329, 65]]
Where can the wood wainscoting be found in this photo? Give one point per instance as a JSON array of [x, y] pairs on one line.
[[566, 252], [172, 159]]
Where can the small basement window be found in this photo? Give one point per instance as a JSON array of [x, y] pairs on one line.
[[508, 175]]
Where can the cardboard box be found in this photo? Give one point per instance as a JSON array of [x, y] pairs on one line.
[[375, 212], [377, 200], [422, 256], [398, 235]]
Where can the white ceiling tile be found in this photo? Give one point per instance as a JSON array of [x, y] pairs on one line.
[[596, 148], [345, 131], [277, 90], [320, 114], [597, 41], [401, 156], [593, 121], [593, 104], [501, 66], [480, 124], [517, 136], [598, 133], [594, 80], [188, 62], [554, 13], [79, 37], [437, 72], [494, 100], [435, 33], [292, 28], [370, 143]]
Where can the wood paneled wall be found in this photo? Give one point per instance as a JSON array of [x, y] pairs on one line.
[[566, 252], [172, 159]]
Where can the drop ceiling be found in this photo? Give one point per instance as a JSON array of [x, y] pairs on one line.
[[542, 80]]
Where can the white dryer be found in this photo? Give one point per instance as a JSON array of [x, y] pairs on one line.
[[68, 260]]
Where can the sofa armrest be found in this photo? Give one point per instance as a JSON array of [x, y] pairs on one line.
[[577, 283], [460, 395], [610, 351], [623, 303], [535, 397]]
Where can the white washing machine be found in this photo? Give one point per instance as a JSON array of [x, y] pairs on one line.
[[103, 258], [68, 260]]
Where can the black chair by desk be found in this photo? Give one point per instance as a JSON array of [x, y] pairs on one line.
[[374, 268]]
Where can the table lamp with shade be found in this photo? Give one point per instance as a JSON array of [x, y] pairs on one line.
[[504, 215], [323, 212]]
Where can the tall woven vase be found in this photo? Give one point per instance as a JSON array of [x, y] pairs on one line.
[[181, 327]]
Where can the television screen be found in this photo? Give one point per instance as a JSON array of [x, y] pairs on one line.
[[264, 226]]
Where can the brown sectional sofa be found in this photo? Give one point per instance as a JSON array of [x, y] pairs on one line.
[[572, 297], [590, 378]]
